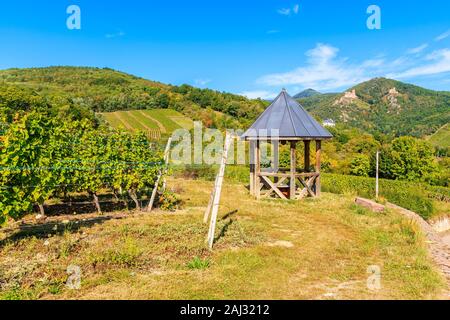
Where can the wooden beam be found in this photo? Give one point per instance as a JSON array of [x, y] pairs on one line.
[[307, 155], [308, 185], [293, 169], [274, 187], [281, 175], [318, 165]]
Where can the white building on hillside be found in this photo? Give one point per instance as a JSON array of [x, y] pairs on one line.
[[329, 123]]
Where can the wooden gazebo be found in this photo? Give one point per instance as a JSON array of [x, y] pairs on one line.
[[285, 122]]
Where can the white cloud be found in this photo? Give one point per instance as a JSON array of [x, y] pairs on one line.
[[288, 11], [438, 62], [202, 82], [418, 49], [326, 70], [284, 11], [373, 63], [115, 35], [323, 70], [263, 94], [443, 36]]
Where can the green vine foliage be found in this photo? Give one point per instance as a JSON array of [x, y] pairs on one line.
[[42, 158]]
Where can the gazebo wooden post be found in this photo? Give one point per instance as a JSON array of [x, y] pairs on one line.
[[252, 166], [293, 170], [275, 157], [307, 155], [318, 164], [257, 185]]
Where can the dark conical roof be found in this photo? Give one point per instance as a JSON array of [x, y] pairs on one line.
[[290, 119]]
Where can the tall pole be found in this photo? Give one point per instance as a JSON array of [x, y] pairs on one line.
[[376, 183]]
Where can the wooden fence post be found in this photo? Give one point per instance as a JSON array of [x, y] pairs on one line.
[[217, 191], [162, 171], [210, 203]]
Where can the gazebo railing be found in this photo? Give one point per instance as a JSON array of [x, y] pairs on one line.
[[278, 184]]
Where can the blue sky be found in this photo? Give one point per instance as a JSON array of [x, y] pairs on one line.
[[248, 47]]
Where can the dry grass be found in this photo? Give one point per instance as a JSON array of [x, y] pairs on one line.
[[315, 249]]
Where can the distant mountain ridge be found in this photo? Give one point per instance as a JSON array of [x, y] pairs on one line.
[[306, 94], [385, 106]]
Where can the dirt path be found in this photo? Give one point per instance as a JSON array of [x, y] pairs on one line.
[[446, 237], [160, 125], [439, 245]]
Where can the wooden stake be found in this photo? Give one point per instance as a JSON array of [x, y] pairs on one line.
[[166, 163], [210, 202], [163, 171], [217, 192]]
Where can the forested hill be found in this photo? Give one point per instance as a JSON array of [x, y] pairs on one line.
[[385, 106], [376, 106], [104, 90]]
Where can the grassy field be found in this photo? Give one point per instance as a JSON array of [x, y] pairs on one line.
[[441, 138], [165, 120], [314, 249]]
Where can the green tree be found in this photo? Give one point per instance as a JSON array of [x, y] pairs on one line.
[[360, 165], [408, 158]]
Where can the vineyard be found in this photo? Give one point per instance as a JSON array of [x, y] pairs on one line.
[[42, 159], [155, 123], [441, 138]]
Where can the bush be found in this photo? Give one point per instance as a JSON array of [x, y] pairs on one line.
[[198, 264], [360, 165], [169, 201], [411, 196]]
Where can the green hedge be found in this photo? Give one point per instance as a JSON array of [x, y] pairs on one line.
[[409, 195]]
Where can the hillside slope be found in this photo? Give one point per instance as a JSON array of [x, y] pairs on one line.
[[441, 138], [377, 106], [106, 90], [164, 121], [385, 106], [264, 250]]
